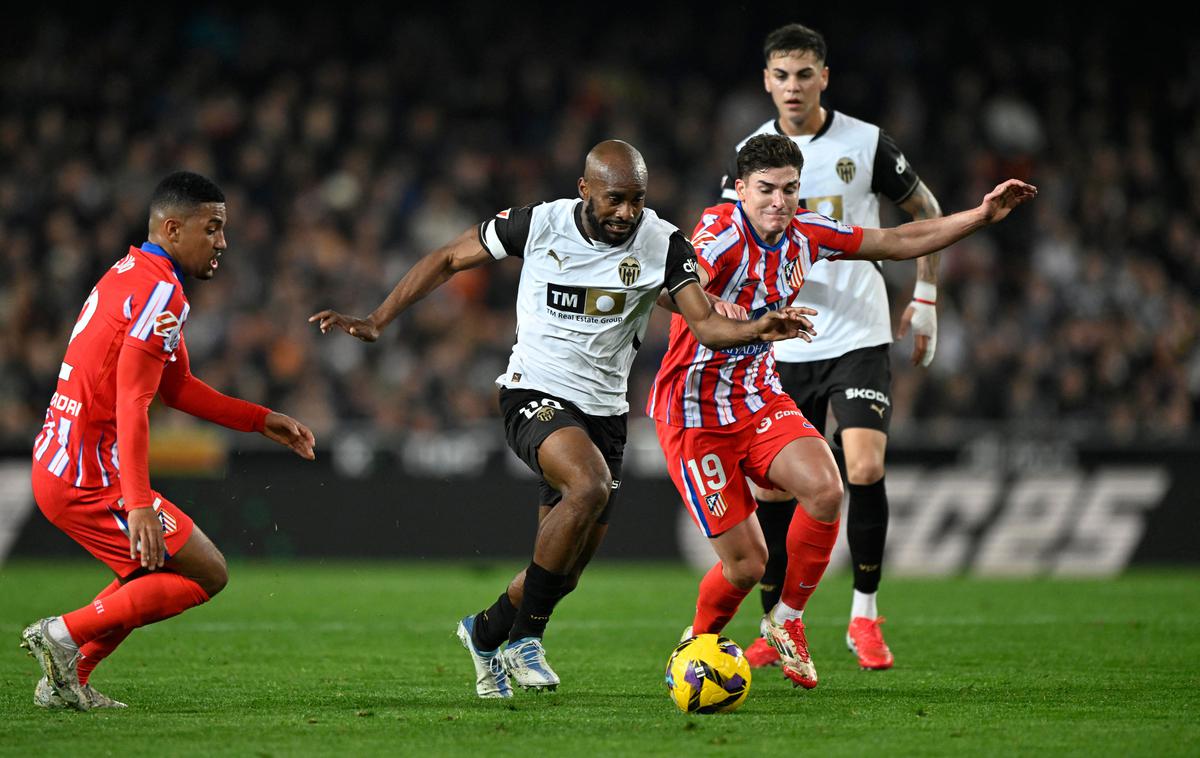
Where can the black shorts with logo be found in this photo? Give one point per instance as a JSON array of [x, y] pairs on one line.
[[530, 416], [857, 385]]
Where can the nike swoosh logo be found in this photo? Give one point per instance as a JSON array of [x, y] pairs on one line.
[[804, 586]]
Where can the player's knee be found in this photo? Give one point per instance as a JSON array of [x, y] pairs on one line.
[[825, 501], [747, 570], [214, 577], [865, 471], [746, 573], [591, 493], [216, 581]]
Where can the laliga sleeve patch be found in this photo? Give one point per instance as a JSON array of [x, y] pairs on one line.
[[167, 326]]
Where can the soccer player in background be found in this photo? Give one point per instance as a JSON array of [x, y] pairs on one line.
[[90, 471], [592, 270], [848, 165], [722, 416]]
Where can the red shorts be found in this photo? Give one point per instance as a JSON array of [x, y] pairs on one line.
[[95, 518], [709, 465]]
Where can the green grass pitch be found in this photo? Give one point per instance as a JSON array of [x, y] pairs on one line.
[[348, 659]]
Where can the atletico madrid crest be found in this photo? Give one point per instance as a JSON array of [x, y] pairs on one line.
[[169, 525], [716, 504], [794, 275]]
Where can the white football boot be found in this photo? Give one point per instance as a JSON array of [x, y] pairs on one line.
[[491, 680], [44, 696], [58, 663], [525, 661]]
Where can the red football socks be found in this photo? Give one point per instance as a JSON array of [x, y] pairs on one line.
[[143, 601], [97, 650], [717, 603], [809, 544], [91, 653]]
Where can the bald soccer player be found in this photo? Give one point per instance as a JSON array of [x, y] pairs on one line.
[[593, 268]]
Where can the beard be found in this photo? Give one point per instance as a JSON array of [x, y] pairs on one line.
[[602, 232]]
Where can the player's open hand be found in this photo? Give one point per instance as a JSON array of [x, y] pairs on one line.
[[290, 433], [786, 323], [999, 202], [363, 328], [146, 537]]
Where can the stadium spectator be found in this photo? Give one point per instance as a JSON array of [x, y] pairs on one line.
[[353, 137]]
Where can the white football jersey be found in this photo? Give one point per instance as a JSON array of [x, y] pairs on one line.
[[847, 165], [582, 305]]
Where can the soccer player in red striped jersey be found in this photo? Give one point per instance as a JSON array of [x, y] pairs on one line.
[[90, 464], [722, 416]]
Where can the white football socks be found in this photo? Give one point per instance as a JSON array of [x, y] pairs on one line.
[[57, 629], [782, 612], [864, 605]]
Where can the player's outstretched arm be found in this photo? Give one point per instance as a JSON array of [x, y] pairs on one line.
[[464, 252], [918, 238], [717, 332], [181, 390]]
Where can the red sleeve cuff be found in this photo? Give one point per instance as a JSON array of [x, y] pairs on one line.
[[856, 239], [260, 418]]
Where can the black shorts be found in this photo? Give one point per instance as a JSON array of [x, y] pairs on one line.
[[857, 385], [531, 416]]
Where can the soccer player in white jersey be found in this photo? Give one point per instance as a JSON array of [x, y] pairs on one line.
[[593, 268], [848, 164]]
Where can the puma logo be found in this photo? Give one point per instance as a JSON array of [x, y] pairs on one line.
[[559, 261], [878, 409]]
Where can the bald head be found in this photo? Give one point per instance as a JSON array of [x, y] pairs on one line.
[[614, 162], [613, 188]]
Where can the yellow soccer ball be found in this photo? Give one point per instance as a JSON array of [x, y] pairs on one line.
[[708, 674]]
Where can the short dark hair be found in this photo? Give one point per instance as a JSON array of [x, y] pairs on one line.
[[794, 38], [768, 151], [185, 190]]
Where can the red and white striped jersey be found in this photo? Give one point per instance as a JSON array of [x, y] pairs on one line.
[[697, 386], [139, 303]]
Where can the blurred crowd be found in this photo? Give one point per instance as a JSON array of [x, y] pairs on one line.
[[351, 142]]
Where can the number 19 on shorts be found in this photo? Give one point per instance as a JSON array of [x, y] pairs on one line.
[[708, 475]]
